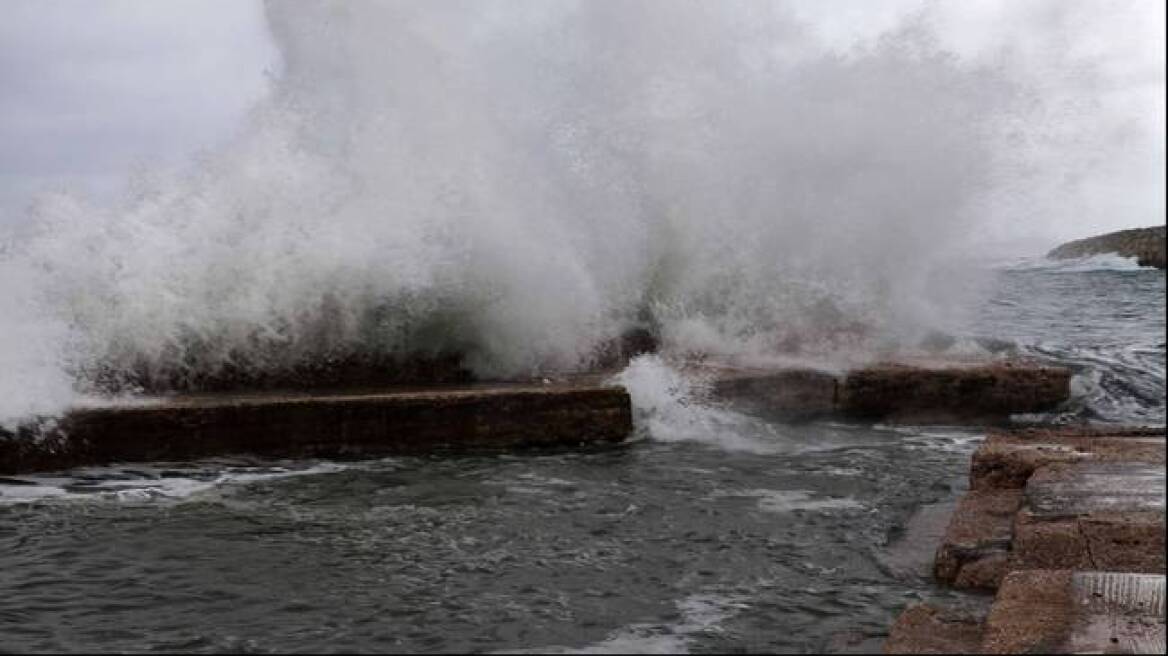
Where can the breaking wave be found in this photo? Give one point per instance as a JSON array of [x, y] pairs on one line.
[[510, 185]]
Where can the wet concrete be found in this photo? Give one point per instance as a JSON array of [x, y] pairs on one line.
[[564, 410], [950, 393], [1099, 516], [925, 629], [318, 425], [1049, 499], [924, 392], [1045, 611], [1008, 459], [1068, 526], [1077, 612], [975, 549]]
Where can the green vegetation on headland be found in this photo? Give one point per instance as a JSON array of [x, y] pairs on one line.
[[1144, 244]]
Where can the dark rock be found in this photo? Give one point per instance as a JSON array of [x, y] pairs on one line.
[[1144, 244]]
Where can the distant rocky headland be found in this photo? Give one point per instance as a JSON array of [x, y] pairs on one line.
[[1144, 244]]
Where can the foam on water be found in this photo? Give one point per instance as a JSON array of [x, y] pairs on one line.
[[700, 614], [147, 484], [1101, 262]]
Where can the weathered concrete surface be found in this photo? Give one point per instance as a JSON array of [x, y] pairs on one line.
[[925, 629], [1068, 525], [1077, 612], [953, 393], [1007, 460], [325, 425], [791, 393], [1045, 611], [1058, 499], [936, 392], [1106, 516], [1144, 244], [1117, 613], [975, 550]]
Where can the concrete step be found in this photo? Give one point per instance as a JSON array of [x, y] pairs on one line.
[[1045, 611], [1075, 500], [1077, 612], [927, 629], [975, 551], [1007, 459]]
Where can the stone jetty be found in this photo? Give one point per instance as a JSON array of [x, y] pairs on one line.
[[1144, 244], [563, 411], [1067, 526], [349, 424]]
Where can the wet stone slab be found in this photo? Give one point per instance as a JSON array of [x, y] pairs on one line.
[[1098, 516], [975, 549], [1118, 613], [1041, 499], [1007, 460], [926, 629], [353, 424], [1090, 487], [1077, 612], [920, 392]]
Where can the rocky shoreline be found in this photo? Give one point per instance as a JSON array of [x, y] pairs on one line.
[[1147, 245]]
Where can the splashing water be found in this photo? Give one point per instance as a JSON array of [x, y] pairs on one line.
[[518, 182]]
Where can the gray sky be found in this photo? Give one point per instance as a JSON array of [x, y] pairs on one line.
[[92, 89]]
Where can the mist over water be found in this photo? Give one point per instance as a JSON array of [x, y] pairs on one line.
[[519, 182]]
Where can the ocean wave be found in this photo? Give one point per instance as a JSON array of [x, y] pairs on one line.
[[1089, 264]]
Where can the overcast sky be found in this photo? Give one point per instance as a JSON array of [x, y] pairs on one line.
[[91, 89]]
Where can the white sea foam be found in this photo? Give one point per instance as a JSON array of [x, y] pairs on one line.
[[700, 614], [1087, 264], [670, 405], [143, 485], [785, 501]]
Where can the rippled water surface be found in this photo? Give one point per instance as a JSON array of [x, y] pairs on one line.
[[648, 546], [1106, 323], [754, 536]]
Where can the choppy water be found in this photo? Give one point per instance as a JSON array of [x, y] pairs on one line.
[[1104, 318], [751, 536]]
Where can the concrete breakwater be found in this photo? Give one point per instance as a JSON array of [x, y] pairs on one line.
[[503, 415], [349, 424], [1147, 245], [1067, 525]]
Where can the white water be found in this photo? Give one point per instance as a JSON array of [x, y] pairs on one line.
[[521, 181]]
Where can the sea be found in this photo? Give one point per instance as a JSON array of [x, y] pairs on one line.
[[709, 530]]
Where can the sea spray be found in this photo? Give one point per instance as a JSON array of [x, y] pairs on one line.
[[671, 404], [515, 183]]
